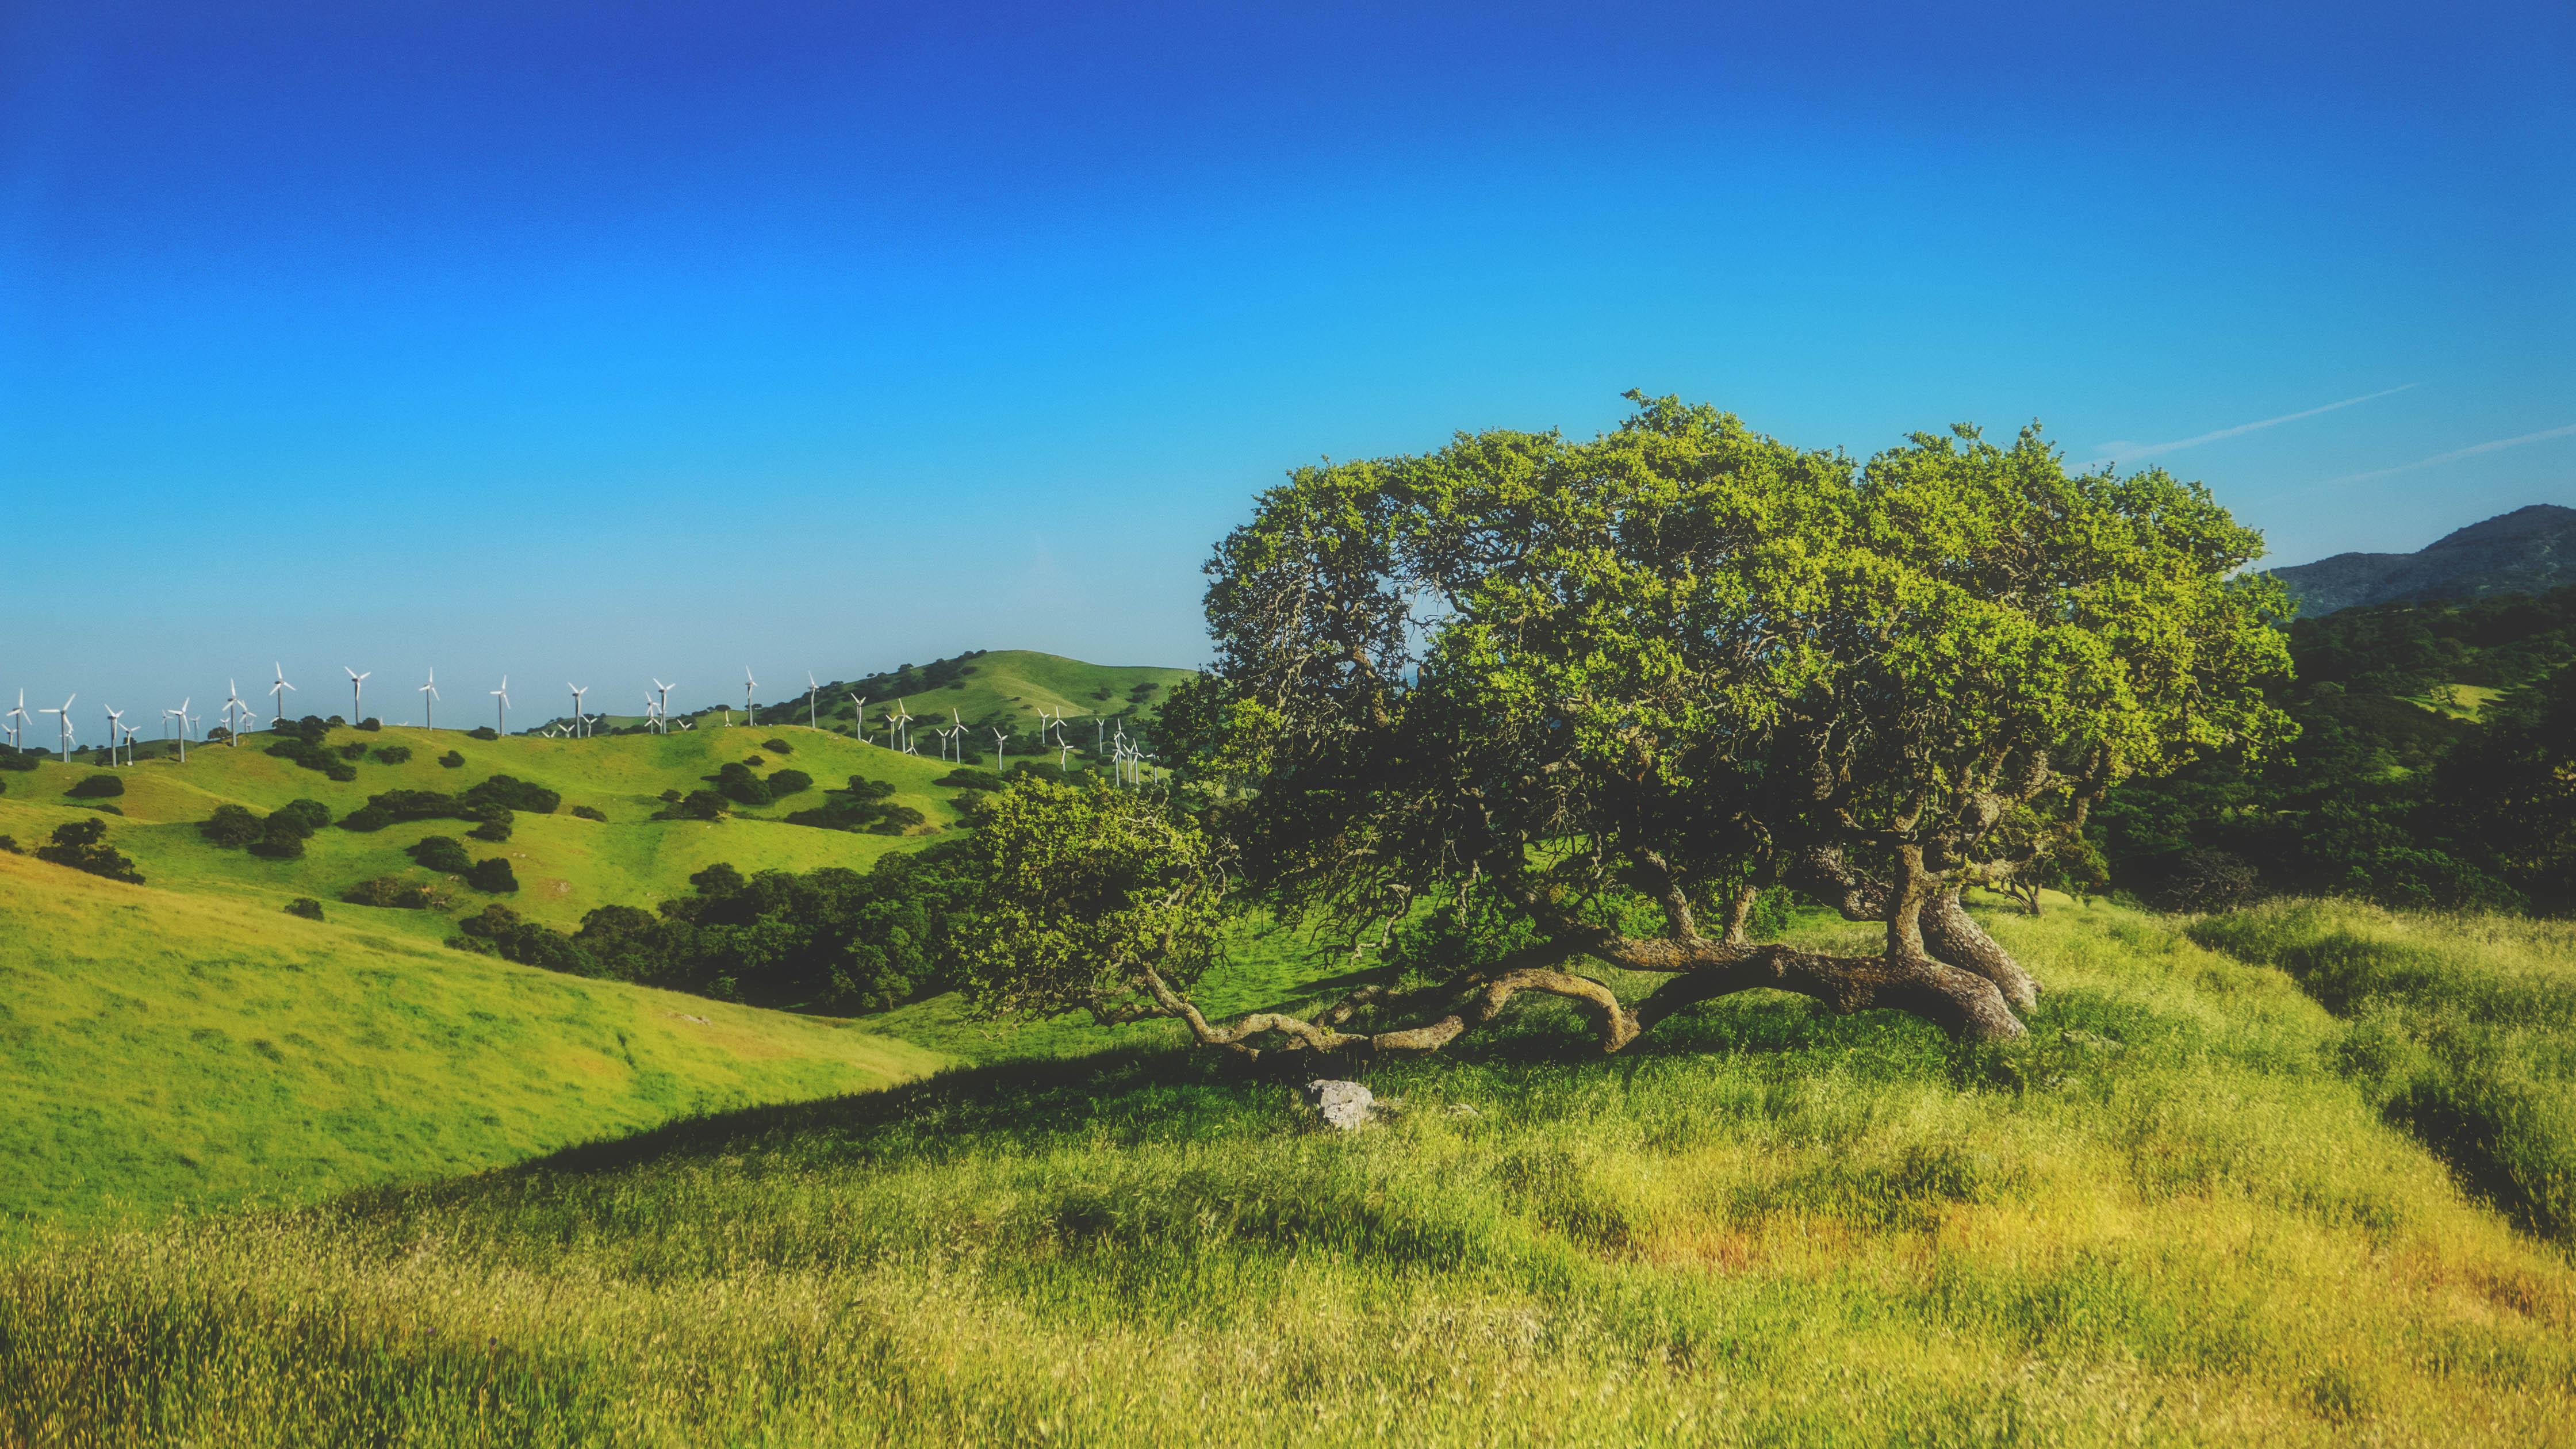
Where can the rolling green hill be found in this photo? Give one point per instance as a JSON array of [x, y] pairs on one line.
[[1001, 687], [161, 1048]]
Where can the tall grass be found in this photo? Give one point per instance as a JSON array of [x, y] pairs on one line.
[[2169, 1218], [2463, 1029]]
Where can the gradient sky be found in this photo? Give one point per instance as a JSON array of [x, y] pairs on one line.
[[592, 341]]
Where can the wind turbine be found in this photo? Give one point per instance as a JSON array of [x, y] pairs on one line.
[[652, 716], [578, 690], [747, 683], [501, 711], [115, 717], [429, 706], [233, 701], [1063, 758], [17, 719], [277, 692], [903, 727], [810, 689], [666, 700], [66, 713], [859, 717], [998, 738], [357, 682], [130, 732], [182, 713]]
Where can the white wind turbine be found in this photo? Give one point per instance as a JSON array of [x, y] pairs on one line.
[[357, 682], [278, 692], [66, 713], [115, 718], [747, 683], [652, 715], [578, 690], [182, 713], [811, 689], [130, 732], [665, 690], [501, 711], [18, 720], [903, 727], [998, 737], [233, 701], [859, 717], [429, 702]]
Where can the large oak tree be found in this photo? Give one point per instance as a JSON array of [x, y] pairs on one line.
[[1615, 688]]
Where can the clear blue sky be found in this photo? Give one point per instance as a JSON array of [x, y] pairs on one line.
[[599, 341]]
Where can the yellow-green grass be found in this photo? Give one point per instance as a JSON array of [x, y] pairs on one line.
[[1014, 684], [567, 866], [2470, 701], [161, 1050], [2171, 1217]]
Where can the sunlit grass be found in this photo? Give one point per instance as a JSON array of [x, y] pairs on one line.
[[2170, 1217]]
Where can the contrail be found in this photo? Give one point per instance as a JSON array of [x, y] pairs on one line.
[[2456, 453], [2121, 454]]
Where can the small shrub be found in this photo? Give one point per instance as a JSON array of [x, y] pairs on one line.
[[312, 815], [482, 732], [452, 760], [588, 812], [754, 761], [18, 759], [737, 783], [231, 826], [515, 793], [789, 782], [967, 777], [670, 797], [305, 906], [353, 750], [779, 745], [371, 724], [494, 831], [392, 754], [82, 845], [97, 787], [442, 853], [493, 876], [9, 843], [696, 805], [367, 818], [719, 879], [387, 892]]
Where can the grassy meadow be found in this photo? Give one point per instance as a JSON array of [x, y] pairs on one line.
[[164, 1051], [2183, 1212]]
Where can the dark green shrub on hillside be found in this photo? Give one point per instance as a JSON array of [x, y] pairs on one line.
[[967, 777], [354, 750], [388, 892], [862, 806], [442, 853], [696, 805], [283, 833], [9, 845], [371, 724], [82, 845], [231, 826], [587, 812], [482, 732], [779, 745], [97, 787], [526, 942], [514, 793], [312, 815], [18, 759], [719, 879], [415, 804], [493, 876], [737, 783], [670, 797], [392, 754], [311, 756], [367, 818], [305, 906], [452, 760], [495, 830], [103, 807], [789, 782], [754, 761]]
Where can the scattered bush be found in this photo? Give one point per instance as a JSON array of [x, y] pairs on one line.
[[97, 787], [312, 815], [515, 793], [719, 879], [967, 777], [353, 750], [526, 942], [862, 806], [696, 805], [371, 724], [367, 818], [283, 833], [310, 755], [392, 754], [493, 876], [482, 732], [754, 761], [9, 843], [588, 812], [779, 745], [670, 797], [231, 826], [789, 782], [305, 906], [18, 759], [415, 804], [2209, 880], [388, 892], [737, 783], [495, 830], [452, 760], [82, 845], [442, 853]]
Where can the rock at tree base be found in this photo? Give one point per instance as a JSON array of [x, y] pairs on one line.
[[1344, 1105]]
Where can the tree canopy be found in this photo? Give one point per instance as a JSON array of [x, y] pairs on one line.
[[1615, 688]]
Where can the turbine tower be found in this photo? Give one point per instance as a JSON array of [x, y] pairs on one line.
[[66, 713], [903, 727], [182, 713], [233, 701], [747, 683], [811, 688], [859, 717], [278, 692], [666, 700], [998, 738], [429, 704], [115, 717], [17, 720], [501, 711], [357, 682], [578, 690]]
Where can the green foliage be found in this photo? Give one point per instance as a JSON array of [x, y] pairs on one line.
[[719, 879], [863, 805], [494, 829], [588, 812], [526, 942], [788, 782], [492, 876], [442, 853], [231, 826], [390, 892], [451, 761], [371, 724], [735, 781], [515, 794], [776, 746], [367, 818], [967, 777], [392, 754], [306, 815], [305, 906], [696, 805], [82, 845], [1094, 898], [482, 732], [23, 760], [97, 787], [303, 745]]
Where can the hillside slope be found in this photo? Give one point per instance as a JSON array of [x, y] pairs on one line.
[[160, 1049], [2528, 551], [2176, 1215], [1000, 688]]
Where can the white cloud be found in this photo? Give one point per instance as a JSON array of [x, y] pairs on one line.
[[2122, 452], [2452, 456]]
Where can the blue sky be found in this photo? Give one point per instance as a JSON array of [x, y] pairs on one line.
[[601, 342]]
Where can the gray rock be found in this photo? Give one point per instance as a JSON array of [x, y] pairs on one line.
[[1344, 1105]]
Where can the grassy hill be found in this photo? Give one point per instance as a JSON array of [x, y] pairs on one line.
[[1001, 687], [566, 865], [161, 1049], [2185, 1211]]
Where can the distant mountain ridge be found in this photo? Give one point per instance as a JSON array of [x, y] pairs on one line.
[[2528, 551]]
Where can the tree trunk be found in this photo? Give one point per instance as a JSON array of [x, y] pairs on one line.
[[1954, 936]]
